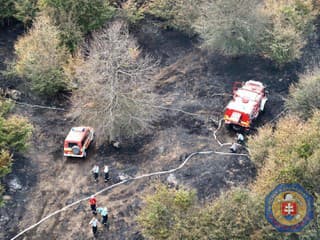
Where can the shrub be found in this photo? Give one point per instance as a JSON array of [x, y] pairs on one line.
[[115, 86], [235, 214], [174, 214], [304, 97], [26, 10], [14, 133], [23, 10], [312, 231], [134, 12], [284, 44], [291, 24], [279, 29], [77, 17], [294, 154], [88, 15], [41, 58], [260, 145], [70, 32], [5, 168], [176, 14], [7, 10], [232, 27], [5, 107], [167, 214], [5, 162]]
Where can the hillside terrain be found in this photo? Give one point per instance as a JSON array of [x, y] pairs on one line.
[[190, 79], [187, 145]]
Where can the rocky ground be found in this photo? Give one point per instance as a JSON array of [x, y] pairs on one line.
[[194, 81]]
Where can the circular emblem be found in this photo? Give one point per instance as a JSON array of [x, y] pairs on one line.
[[289, 207]]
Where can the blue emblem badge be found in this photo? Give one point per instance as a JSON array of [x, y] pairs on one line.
[[289, 208]]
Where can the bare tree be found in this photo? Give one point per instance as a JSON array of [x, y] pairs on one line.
[[114, 93]]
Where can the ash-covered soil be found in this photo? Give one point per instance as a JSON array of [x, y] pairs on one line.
[[191, 80]]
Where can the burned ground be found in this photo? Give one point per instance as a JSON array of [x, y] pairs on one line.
[[190, 80]]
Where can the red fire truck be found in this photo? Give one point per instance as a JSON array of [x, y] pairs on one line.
[[248, 101], [78, 141]]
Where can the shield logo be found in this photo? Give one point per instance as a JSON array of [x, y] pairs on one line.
[[288, 206], [289, 209]]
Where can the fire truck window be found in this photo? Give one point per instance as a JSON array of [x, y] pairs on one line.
[[72, 144]]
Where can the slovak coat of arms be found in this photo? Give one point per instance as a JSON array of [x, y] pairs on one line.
[[289, 207]]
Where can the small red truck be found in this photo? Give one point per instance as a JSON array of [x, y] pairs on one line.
[[248, 101], [77, 141]]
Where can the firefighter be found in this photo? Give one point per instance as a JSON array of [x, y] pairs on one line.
[[240, 138], [94, 224], [234, 147], [104, 215], [93, 204], [95, 171], [115, 144], [106, 173]]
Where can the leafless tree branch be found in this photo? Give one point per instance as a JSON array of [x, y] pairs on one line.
[[115, 85]]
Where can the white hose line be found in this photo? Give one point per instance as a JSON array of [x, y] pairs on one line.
[[237, 154], [120, 183], [215, 135], [226, 144]]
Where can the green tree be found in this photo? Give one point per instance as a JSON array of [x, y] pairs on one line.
[[176, 14], [232, 27], [5, 168], [167, 214], [26, 10], [70, 33], [260, 145], [41, 58], [291, 22], [77, 17], [15, 133], [23, 10], [304, 96], [7, 10], [5, 107], [294, 154], [5, 162], [235, 214]]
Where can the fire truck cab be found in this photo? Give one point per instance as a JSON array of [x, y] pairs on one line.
[[77, 141], [248, 101]]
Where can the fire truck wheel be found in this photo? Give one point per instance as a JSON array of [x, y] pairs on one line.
[[229, 126], [236, 128], [75, 150]]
